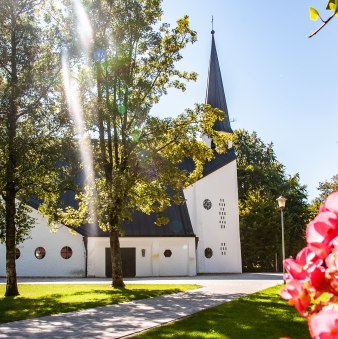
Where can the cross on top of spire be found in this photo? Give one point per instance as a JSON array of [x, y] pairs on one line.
[[212, 25]]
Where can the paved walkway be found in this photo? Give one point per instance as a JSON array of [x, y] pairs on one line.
[[122, 320]]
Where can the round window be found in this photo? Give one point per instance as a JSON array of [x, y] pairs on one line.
[[17, 253], [40, 253], [207, 204], [167, 253], [66, 252], [208, 252]]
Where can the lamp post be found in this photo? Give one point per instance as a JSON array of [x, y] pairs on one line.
[[281, 204]]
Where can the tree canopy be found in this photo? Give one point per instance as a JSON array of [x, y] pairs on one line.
[[325, 188]]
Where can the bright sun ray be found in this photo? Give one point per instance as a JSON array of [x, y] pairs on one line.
[[84, 27], [75, 109]]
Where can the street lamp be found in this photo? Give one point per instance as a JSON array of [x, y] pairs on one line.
[[281, 204]]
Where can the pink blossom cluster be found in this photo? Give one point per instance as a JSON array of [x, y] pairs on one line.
[[314, 273]]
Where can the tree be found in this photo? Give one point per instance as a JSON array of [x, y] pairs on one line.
[[325, 189], [33, 127], [332, 5], [137, 155], [261, 179]]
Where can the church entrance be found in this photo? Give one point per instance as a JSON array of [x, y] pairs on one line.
[[128, 255]]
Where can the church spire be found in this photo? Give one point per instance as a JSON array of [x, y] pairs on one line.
[[215, 92]]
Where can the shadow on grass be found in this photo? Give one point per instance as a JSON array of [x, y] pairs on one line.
[[255, 317], [18, 308]]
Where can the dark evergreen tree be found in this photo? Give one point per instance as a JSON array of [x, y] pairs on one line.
[[261, 179]]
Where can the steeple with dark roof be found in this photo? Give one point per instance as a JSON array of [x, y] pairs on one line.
[[215, 92]]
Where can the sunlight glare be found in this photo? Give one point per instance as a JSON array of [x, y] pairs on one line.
[[84, 27], [71, 89]]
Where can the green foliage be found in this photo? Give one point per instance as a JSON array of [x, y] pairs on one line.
[[36, 301], [260, 315], [325, 189], [260, 231], [261, 179], [23, 221]]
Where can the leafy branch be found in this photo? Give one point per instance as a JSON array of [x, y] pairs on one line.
[[332, 5]]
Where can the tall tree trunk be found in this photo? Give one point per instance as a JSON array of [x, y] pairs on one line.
[[107, 160], [115, 250], [11, 286]]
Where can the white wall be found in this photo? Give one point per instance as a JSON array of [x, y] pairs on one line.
[[221, 188], [52, 265], [181, 263]]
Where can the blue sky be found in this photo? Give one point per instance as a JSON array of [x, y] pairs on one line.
[[277, 82]]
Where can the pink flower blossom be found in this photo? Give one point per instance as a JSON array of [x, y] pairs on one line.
[[297, 295], [324, 325], [298, 268], [318, 280], [321, 232]]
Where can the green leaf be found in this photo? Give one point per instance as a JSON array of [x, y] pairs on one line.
[[313, 14], [331, 5]]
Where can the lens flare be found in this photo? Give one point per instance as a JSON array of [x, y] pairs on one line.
[[72, 93], [84, 27]]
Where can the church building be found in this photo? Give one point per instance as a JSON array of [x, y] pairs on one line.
[[201, 237]]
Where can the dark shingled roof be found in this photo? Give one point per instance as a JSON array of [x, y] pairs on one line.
[[215, 92], [143, 225]]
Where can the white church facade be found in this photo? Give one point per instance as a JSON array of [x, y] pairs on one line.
[[201, 237]]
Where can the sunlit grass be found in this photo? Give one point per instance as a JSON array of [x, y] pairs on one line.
[[40, 300], [261, 315]]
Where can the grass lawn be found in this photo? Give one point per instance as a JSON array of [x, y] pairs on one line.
[[261, 315], [39, 300]]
